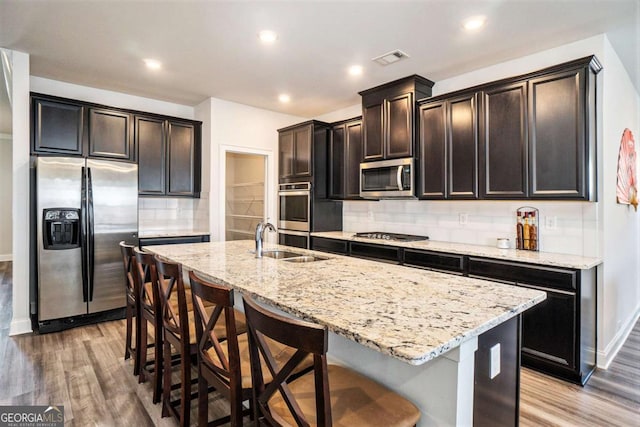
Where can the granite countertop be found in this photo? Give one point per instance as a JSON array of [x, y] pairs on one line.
[[150, 234], [411, 314], [531, 257]]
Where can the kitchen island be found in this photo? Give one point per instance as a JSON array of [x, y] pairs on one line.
[[414, 331]]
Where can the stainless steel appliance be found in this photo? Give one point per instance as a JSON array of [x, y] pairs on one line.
[[387, 179], [84, 207], [295, 206], [391, 236]]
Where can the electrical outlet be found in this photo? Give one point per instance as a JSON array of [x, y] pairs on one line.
[[551, 222], [463, 218], [494, 361]]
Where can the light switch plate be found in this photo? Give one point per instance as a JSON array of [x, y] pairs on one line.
[[494, 364]]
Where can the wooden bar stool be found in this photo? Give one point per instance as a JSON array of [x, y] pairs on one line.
[[220, 362], [132, 306], [330, 395], [150, 307], [223, 351], [177, 322]]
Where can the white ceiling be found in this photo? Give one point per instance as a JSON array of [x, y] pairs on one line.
[[210, 48]]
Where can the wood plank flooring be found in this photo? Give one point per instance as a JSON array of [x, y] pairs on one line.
[[84, 370]]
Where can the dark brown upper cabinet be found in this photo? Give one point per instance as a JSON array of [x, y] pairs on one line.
[[110, 134], [345, 154], [503, 142], [295, 152], [150, 135], [68, 127], [432, 173], [562, 132], [57, 126], [168, 156], [302, 149], [527, 137], [462, 147], [388, 114], [449, 148]]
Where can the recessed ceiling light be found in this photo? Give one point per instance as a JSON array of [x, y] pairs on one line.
[[355, 70], [153, 64], [267, 36], [474, 23], [284, 98]]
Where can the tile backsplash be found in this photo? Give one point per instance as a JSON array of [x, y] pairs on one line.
[[166, 215], [564, 227]]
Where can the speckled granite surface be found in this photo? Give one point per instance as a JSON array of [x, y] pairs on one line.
[[531, 257], [411, 314]]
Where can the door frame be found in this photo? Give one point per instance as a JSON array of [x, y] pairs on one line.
[[270, 184]]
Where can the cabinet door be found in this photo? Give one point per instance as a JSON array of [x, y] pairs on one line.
[[372, 117], [285, 154], [549, 331], [382, 253], [150, 137], [58, 127], [109, 134], [330, 245], [557, 140], [303, 141], [399, 129], [353, 159], [181, 159], [462, 148], [433, 140], [503, 142], [337, 162]]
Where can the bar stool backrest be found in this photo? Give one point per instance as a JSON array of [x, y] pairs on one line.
[[307, 338], [170, 283]]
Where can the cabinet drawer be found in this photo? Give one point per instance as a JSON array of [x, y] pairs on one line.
[[512, 272], [375, 252], [330, 245], [434, 260]]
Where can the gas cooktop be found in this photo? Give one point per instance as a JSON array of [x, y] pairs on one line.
[[391, 236]]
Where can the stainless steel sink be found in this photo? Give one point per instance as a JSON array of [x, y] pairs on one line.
[[280, 254], [305, 258]]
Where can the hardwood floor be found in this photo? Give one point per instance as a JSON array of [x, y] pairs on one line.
[[84, 370]]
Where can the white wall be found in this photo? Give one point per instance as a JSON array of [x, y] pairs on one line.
[[110, 98], [240, 128], [619, 298], [20, 321], [6, 159]]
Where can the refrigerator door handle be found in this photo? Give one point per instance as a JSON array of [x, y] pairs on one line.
[[83, 232], [92, 254]]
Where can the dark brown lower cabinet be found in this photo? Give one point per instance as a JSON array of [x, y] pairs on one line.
[[390, 254], [559, 334], [330, 245]]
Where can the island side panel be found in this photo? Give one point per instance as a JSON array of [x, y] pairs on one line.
[[442, 388]]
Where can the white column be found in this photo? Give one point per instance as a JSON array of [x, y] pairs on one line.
[[20, 323]]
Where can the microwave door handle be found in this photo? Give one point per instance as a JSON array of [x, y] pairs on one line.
[[399, 178]]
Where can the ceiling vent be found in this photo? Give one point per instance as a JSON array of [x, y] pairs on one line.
[[390, 57]]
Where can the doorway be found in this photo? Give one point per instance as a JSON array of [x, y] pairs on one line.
[[6, 157], [245, 194]]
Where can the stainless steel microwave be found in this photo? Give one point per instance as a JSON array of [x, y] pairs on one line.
[[387, 179]]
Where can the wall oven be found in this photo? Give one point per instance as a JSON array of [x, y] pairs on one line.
[[294, 211], [387, 179]]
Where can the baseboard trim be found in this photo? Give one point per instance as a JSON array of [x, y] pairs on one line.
[[20, 326], [611, 350], [6, 257]]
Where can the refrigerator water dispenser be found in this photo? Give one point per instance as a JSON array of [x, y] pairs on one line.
[[61, 228]]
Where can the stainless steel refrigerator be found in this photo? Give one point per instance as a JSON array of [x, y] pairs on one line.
[[85, 207]]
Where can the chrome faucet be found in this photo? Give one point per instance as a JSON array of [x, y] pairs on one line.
[[260, 229]]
